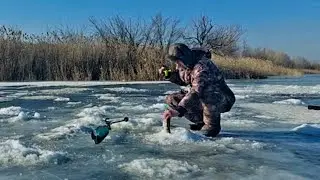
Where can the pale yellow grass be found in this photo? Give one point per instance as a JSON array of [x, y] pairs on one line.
[[252, 68]]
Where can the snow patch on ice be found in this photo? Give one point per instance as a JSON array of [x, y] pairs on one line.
[[267, 172], [240, 123], [308, 129], [95, 111], [125, 89], [290, 101], [12, 152], [177, 136], [159, 168], [63, 91], [39, 97], [238, 97], [292, 114], [5, 99], [2, 92], [52, 108], [87, 116], [108, 97], [160, 98], [227, 115], [277, 89], [24, 116], [16, 113], [11, 111], [180, 136], [170, 92], [19, 94], [62, 99], [36, 115], [139, 124], [264, 117], [143, 108], [74, 103]]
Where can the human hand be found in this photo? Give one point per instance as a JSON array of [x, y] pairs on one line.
[[162, 69], [169, 113], [165, 72]]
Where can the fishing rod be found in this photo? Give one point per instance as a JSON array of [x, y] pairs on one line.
[[102, 132]]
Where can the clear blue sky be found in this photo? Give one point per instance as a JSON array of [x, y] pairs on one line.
[[292, 26]]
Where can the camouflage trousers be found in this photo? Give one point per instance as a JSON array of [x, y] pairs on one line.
[[198, 113]]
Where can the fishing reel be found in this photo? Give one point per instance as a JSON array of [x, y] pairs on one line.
[[101, 132]]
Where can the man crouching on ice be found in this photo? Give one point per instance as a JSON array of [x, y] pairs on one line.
[[209, 95]]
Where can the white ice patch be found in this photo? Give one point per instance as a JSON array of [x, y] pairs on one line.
[[291, 114], [240, 123], [159, 168], [269, 173], [10, 111], [155, 115], [63, 91], [36, 115], [141, 108], [227, 115], [96, 111], [5, 99], [16, 113], [12, 152], [308, 129], [126, 89], [290, 101], [74, 103], [2, 92], [242, 96], [277, 89], [24, 116], [87, 116], [108, 97], [160, 98], [62, 99], [177, 136], [170, 92], [20, 94], [139, 124], [39, 97], [264, 117], [180, 136], [52, 108]]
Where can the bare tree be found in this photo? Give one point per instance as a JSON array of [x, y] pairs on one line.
[[221, 40], [165, 31], [224, 40], [118, 30], [202, 28], [100, 29]]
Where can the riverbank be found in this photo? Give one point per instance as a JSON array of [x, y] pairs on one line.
[[251, 68]]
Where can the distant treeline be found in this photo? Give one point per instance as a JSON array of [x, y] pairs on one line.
[[125, 49]]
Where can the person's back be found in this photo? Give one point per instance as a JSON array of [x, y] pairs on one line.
[[208, 97], [215, 90]]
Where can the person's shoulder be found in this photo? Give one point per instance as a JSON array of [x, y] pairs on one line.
[[201, 52], [202, 64], [206, 61], [206, 64]]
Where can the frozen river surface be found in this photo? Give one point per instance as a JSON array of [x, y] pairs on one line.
[[269, 133]]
